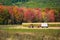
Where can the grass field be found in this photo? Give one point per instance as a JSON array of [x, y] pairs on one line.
[[30, 34], [50, 25]]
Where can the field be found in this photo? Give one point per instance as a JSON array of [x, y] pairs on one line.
[[30, 34], [50, 24]]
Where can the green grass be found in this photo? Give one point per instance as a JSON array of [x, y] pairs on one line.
[[50, 25], [32, 30], [54, 25], [46, 31]]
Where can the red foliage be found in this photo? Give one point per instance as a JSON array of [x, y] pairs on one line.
[[10, 10], [28, 13], [51, 15], [1, 8], [37, 12]]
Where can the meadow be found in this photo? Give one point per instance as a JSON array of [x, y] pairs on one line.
[[30, 34]]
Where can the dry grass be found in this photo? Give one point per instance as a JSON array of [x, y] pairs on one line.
[[30, 34]]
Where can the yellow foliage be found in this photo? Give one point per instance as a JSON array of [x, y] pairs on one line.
[[43, 14], [15, 9]]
